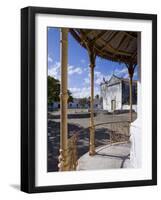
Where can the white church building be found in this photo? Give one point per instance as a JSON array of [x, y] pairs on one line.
[[76, 104], [115, 94]]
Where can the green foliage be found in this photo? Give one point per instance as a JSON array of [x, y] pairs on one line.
[[70, 98], [54, 91], [83, 102]]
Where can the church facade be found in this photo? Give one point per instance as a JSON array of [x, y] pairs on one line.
[[115, 94]]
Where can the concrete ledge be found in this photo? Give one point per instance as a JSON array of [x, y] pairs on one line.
[[107, 157]]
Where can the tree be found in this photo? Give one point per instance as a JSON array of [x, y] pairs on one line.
[[83, 102], [97, 96], [54, 90], [70, 98]]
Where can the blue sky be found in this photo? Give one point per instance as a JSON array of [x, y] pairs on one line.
[[78, 66]]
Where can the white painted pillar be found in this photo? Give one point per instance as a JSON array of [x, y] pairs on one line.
[[135, 129]]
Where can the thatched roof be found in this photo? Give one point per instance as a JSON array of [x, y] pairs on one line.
[[119, 46]]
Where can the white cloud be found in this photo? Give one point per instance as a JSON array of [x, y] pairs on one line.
[[54, 71], [99, 77], [87, 80], [86, 69], [74, 70], [83, 92], [80, 92], [97, 73], [121, 73], [50, 59], [124, 73]]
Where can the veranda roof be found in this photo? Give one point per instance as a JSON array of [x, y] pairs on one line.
[[119, 46]]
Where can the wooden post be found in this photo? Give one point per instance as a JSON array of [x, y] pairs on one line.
[[130, 98], [131, 72], [139, 76], [92, 131], [63, 158], [92, 58]]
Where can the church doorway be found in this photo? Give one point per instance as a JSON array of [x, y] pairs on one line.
[[113, 105]]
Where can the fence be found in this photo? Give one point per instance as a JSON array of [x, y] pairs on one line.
[[117, 131]]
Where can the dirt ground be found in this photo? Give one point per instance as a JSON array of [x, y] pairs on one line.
[[78, 122]]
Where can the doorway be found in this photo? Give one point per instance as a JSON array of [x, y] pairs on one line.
[[113, 105]]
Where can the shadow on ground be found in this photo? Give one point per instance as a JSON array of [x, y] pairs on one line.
[[72, 116], [102, 133], [101, 138]]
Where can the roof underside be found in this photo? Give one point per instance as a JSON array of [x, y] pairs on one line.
[[119, 46]]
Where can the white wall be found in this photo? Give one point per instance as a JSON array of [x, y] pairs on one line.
[[113, 93], [127, 107], [10, 92]]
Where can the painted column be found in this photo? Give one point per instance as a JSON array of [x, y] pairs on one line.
[[63, 158], [136, 128], [92, 129], [139, 75]]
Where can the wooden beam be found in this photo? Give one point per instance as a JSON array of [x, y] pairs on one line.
[[89, 46], [114, 35], [122, 56], [115, 51], [134, 54], [84, 40], [106, 55], [75, 35], [88, 32], [83, 37], [101, 53], [79, 39], [121, 41], [128, 34], [101, 34], [128, 44]]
